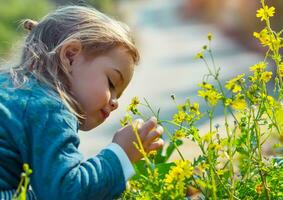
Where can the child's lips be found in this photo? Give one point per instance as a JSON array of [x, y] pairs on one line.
[[105, 114]]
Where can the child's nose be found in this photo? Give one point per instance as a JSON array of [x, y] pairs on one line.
[[113, 104]]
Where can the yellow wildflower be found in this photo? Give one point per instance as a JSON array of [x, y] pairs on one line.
[[228, 102], [203, 166], [135, 101], [195, 108], [233, 84], [220, 172], [263, 36], [133, 105], [253, 78], [27, 169], [266, 76], [265, 12], [211, 96], [270, 100], [206, 86], [199, 55], [176, 177], [259, 188], [259, 67], [152, 153], [209, 36], [179, 134], [180, 117], [280, 69], [208, 136], [182, 170], [218, 147], [239, 103], [24, 183], [267, 38]]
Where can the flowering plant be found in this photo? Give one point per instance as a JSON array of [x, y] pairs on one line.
[[21, 192], [232, 164]]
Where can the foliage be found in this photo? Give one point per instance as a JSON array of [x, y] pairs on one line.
[[11, 14], [232, 164], [107, 6]]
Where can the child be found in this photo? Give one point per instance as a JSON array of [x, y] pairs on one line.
[[76, 63]]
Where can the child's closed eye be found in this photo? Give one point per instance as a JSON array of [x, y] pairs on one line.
[[111, 85]]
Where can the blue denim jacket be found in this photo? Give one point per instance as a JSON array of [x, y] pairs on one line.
[[37, 128]]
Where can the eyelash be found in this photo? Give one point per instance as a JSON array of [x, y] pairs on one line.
[[110, 83]]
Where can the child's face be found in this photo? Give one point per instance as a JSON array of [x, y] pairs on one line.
[[98, 81]]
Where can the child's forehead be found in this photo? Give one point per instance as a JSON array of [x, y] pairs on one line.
[[118, 50], [118, 54]]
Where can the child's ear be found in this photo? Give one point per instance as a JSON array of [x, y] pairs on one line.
[[69, 51]]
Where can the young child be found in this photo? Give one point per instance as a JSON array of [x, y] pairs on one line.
[[76, 63]]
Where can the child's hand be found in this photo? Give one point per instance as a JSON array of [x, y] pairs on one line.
[[149, 133]]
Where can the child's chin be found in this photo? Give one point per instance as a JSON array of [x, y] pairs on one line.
[[90, 126]]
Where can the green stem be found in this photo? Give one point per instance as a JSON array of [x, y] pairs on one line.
[[259, 163], [166, 131]]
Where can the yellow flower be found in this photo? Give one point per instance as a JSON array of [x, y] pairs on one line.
[[27, 169], [133, 105], [179, 134], [199, 55], [267, 38], [195, 108], [259, 67], [265, 12], [208, 136], [253, 78], [180, 117], [263, 36], [206, 86], [135, 101], [270, 100], [211, 96], [228, 102], [174, 181], [239, 103], [203, 166], [209, 36], [266, 76], [280, 69], [152, 153], [220, 172], [259, 188], [218, 147], [182, 170], [232, 84]]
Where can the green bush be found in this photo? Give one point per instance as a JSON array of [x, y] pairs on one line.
[[107, 6], [11, 14]]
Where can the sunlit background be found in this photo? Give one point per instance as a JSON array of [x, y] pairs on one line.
[[169, 33]]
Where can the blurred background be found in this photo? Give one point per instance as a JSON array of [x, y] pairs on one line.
[[169, 34]]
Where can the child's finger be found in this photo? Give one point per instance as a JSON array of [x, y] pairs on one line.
[[147, 127], [153, 135], [156, 145], [138, 123]]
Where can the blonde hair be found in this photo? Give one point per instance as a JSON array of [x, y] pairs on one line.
[[97, 33]]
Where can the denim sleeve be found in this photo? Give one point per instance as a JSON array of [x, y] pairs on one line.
[[59, 171]]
